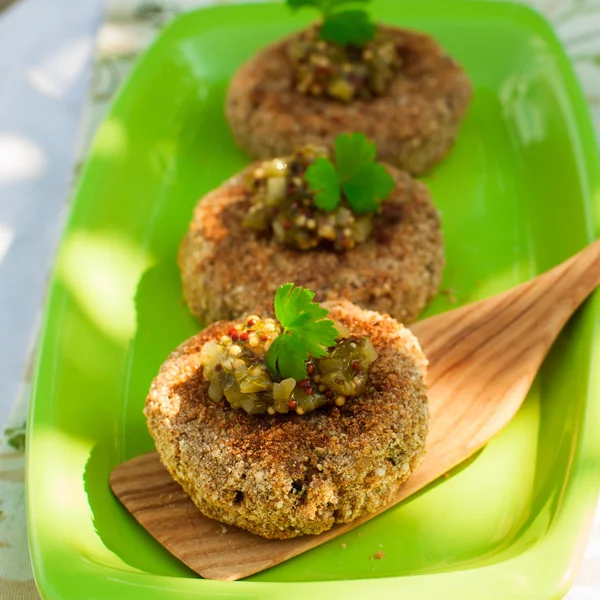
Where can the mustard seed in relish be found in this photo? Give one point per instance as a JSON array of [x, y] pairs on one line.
[[344, 73], [234, 367], [283, 203]]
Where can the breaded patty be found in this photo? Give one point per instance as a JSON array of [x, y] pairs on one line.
[[228, 269], [286, 475], [414, 124]]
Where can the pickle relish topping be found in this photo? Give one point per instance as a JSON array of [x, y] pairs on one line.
[[341, 24], [276, 366], [345, 57], [283, 201], [309, 201], [344, 73]]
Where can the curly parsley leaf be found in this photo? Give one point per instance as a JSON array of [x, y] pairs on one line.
[[341, 24], [298, 4], [286, 356], [368, 187], [365, 183], [352, 151], [306, 332], [323, 180], [326, 7], [335, 3], [348, 27]]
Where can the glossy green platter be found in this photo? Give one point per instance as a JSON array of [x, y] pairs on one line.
[[519, 193]]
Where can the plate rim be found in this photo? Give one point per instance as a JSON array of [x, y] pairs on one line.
[[524, 574]]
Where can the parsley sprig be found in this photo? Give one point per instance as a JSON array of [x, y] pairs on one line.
[[341, 24], [306, 332], [364, 182]]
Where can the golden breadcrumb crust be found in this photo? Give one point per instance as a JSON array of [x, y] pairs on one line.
[[228, 269], [414, 124], [286, 475]]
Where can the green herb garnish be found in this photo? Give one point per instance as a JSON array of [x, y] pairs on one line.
[[365, 183], [306, 332], [341, 25]]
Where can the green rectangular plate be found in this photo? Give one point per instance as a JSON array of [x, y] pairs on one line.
[[519, 193]]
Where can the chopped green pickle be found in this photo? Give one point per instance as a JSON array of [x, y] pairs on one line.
[[235, 369], [344, 72], [283, 202]]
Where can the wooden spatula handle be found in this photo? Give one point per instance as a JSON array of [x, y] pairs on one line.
[[576, 278], [490, 351], [483, 358], [538, 308]]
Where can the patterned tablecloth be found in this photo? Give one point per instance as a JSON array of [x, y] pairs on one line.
[[129, 26]]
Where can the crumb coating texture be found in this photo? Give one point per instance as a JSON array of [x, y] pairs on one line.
[[286, 475]]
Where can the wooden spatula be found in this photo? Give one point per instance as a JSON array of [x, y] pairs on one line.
[[483, 359]]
